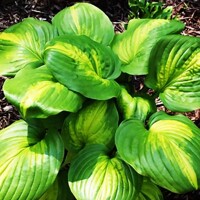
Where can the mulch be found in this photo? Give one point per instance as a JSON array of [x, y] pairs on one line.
[[14, 11], [187, 11]]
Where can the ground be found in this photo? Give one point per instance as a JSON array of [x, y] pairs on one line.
[[13, 11]]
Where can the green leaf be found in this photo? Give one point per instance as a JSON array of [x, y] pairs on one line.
[[168, 152], [51, 122], [95, 123], [126, 103], [52, 192], [149, 191], [175, 72], [85, 19], [145, 106], [84, 66], [30, 159], [60, 188], [23, 43], [134, 45], [37, 94], [135, 107], [93, 174]]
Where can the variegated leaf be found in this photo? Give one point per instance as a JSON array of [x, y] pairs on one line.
[[93, 124], [84, 66], [23, 44], [135, 44], [175, 72], [36, 93], [95, 174], [168, 152], [85, 19], [30, 160]]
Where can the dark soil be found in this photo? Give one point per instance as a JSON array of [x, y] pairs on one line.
[[13, 11]]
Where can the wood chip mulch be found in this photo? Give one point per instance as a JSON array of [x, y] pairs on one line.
[[8, 114], [187, 11]]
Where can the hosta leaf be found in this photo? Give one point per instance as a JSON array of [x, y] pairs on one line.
[[84, 66], [60, 188], [175, 72], [36, 93], [30, 159], [23, 43], [144, 107], [95, 123], [168, 152], [51, 122], [85, 19], [149, 191], [126, 104], [134, 45], [135, 107], [51, 193], [93, 174]]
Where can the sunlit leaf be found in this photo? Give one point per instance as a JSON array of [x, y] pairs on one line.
[[22, 44], [95, 123], [94, 174], [135, 107], [135, 44], [36, 93], [168, 152], [85, 19], [175, 72], [84, 66], [149, 191], [30, 159], [60, 188]]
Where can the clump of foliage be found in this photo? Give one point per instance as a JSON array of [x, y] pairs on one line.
[[83, 131], [149, 9]]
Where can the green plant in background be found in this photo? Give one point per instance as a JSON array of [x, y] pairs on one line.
[[83, 134], [149, 9]]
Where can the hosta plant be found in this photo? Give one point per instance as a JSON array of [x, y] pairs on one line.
[[85, 133], [149, 9]]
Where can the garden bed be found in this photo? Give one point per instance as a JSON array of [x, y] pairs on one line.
[[14, 12]]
